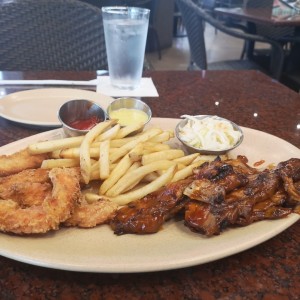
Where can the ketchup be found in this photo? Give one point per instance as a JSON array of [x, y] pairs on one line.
[[85, 124]]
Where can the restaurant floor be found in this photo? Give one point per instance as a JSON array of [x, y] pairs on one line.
[[219, 47]]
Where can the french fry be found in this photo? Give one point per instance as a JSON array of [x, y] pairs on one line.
[[136, 175], [109, 134], [136, 153], [85, 160], [145, 190], [147, 149], [50, 146], [120, 169], [117, 143], [56, 153], [104, 159], [150, 177], [60, 163], [171, 162], [134, 166], [186, 172], [162, 155], [154, 147], [124, 131], [129, 167], [127, 147], [205, 158], [163, 137], [95, 164], [94, 175], [95, 170], [93, 161], [112, 166], [187, 159], [75, 153]]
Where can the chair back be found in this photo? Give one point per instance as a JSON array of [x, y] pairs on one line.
[[51, 35], [194, 17], [208, 4], [195, 32]]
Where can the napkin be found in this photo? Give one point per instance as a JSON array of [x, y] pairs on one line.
[[146, 88]]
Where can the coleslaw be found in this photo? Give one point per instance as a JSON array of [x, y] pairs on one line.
[[209, 133]]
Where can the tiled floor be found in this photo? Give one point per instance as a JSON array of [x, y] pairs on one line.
[[219, 47]]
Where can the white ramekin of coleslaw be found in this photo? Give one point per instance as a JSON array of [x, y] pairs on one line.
[[208, 134]]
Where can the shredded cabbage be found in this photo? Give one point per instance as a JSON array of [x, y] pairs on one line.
[[209, 133]]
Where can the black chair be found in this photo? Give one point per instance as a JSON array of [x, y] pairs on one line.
[[208, 4], [51, 35], [153, 40], [194, 16]]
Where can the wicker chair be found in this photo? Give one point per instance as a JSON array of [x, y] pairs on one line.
[[194, 17], [51, 35]]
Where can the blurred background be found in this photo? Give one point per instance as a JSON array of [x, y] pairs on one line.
[[167, 44]]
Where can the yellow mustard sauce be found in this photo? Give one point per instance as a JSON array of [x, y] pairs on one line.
[[128, 116]]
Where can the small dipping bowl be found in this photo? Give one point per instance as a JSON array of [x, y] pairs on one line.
[[130, 104], [79, 110], [192, 149]]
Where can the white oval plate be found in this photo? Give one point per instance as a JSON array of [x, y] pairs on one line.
[[175, 246], [39, 107]]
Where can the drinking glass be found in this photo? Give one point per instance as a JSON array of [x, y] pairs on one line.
[[125, 30]]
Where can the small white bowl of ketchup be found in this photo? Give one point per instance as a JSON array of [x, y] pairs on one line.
[[129, 111], [79, 116]]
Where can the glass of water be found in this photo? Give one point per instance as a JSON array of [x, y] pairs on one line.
[[125, 30]]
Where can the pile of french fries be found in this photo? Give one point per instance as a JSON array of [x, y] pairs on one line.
[[128, 162]]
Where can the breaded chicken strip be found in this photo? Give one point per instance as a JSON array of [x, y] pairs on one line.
[[54, 209], [89, 215], [27, 188], [19, 161]]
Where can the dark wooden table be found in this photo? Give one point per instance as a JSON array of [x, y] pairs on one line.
[[268, 271]]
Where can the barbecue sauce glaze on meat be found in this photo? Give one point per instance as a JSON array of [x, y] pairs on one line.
[[219, 194], [148, 214]]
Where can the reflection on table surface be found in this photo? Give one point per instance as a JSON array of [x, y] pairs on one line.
[[268, 270]]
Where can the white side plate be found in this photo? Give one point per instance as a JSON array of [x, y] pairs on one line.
[[39, 107]]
